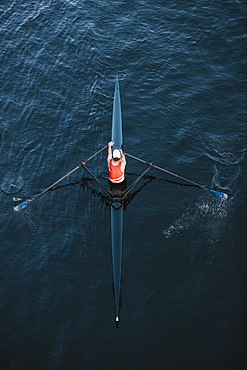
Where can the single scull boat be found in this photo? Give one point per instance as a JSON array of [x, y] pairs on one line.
[[117, 208], [117, 198]]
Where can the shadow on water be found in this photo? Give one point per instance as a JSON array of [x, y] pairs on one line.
[[86, 183]]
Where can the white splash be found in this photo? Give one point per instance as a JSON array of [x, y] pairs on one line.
[[206, 214]]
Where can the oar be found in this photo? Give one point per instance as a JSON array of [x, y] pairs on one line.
[[218, 194], [27, 201]]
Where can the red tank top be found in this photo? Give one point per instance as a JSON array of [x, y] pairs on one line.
[[114, 173]]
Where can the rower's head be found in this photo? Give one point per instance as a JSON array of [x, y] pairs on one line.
[[116, 154]]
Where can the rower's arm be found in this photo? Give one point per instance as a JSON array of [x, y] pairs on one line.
[[109, 151], [123, 161]]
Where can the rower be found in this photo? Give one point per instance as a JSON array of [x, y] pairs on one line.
[[116, 164]]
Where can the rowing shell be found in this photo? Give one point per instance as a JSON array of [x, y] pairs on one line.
[[116, 200], [117, 212]]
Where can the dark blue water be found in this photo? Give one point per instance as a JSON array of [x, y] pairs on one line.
[[182, 72]]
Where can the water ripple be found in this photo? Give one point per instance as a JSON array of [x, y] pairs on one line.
[[182, 78]]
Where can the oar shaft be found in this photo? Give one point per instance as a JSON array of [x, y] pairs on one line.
[[97, 181], [62, 178], [166, 171], [94, 155], [129, 188], [178, 176], [75, 169], [26, 202]]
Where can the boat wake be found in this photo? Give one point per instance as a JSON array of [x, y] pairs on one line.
[[208, 214], [26, 215]]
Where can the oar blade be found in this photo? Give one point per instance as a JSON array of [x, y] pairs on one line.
[[219, 194], [22, 205]]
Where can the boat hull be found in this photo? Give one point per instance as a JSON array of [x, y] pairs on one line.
[[117, 208], [117, 131], [117, 240]]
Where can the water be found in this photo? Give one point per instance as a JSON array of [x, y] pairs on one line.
[[181, 68]]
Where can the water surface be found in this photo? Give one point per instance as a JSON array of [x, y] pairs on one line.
[[182, 75]]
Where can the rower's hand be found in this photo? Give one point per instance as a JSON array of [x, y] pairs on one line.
[[110, 143]]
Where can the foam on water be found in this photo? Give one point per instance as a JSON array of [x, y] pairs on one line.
[[207, 214]]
